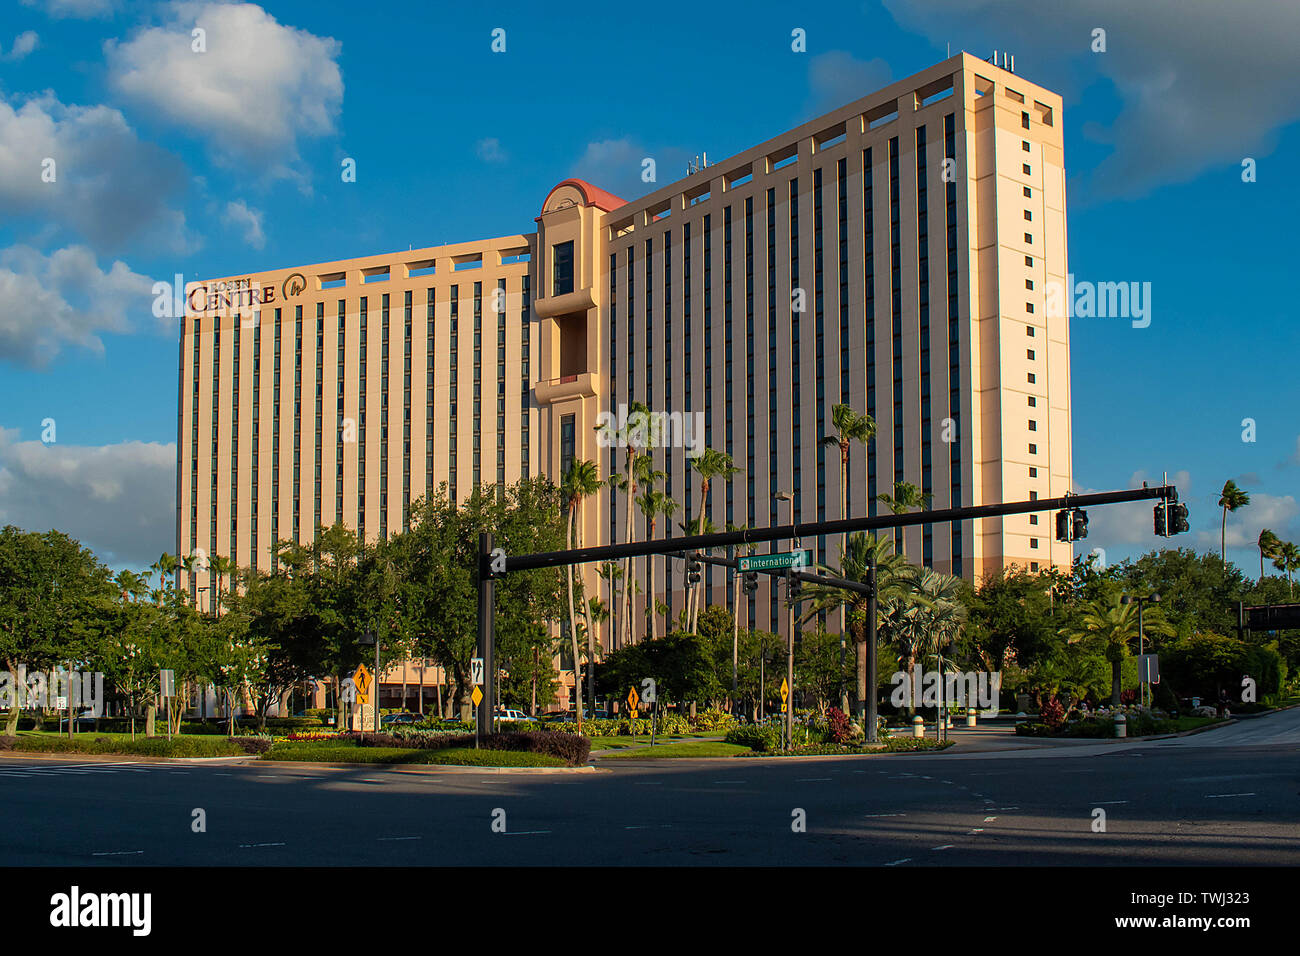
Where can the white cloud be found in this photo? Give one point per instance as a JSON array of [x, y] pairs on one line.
[[118, 500], [258, 89], [1123, 527], [51, 301], [836, 78], [1200, 83], [489, 150], [82, 168], [23, 44], [240, 214], [1264, 511], [78, 9], [617, 165]]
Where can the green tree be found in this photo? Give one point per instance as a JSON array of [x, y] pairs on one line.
[[1230, 499], [906, 496], [1112, 627], [580, 482], [711, 465], [1268, 544], [895, 580], [49, 584]]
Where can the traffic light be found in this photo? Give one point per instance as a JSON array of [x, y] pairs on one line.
[[1161, 520], [1177, 520], [1063, 526], [1078, 524], [792, 585], [751, 582], [692, 570]]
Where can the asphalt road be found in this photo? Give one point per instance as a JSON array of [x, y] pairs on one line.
[[1226, 797]]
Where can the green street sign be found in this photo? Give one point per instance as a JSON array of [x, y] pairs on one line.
[[768, 562]]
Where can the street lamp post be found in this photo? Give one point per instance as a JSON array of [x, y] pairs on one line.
[[1140, 602]]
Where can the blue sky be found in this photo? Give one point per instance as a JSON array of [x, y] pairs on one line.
[[226, 161]]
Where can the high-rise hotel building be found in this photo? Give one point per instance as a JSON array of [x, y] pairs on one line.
[[893, 255]]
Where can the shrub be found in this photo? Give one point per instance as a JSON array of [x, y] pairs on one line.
[[838, 730], [713, 719], [761, 738], [1053, 713], [569, 747]]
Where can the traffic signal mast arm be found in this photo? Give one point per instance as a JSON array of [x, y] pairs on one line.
[[721, 539]]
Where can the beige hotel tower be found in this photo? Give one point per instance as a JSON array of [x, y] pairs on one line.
[[892, 255]]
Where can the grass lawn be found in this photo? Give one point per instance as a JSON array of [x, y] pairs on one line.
[[458, 756], [1190, 723], [708, 748]]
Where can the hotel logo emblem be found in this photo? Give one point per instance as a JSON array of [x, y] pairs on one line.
[[293, 285]]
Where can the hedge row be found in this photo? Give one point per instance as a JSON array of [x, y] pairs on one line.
[[144, 747], [571, 748]]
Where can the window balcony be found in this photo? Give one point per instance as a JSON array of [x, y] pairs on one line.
[[582, 385]]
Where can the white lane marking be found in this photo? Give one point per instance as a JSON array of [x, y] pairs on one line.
[[523, 832], [634, 828], [947, 781], [812, 779], [1107, 803], [885, 814], [391, 839], [120, 853], [946, 846], [906, 859], [975, 830], [1006, 808], [245, 846], [1213, 796]]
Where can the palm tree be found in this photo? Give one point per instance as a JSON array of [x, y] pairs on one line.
[[131, 584], [1287, 560], [1268, 544], [645, 476], [709, 465], [1230, 499], [1114, 624], [187, 565], [934, 614], [581, 481], [895, 580], [851, 427], [906, 496], [165, 565], [653, 503], [222, 568], [633, 436]]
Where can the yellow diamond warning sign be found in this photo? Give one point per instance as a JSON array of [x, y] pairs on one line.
[[633, 699], [785, 690], [476, 696], [362, 681]]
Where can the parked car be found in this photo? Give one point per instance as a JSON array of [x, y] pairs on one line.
[[559, 717], [510, 714], [400, 719]]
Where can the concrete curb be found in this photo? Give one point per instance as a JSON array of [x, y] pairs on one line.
[[412, 768], [245, 760], [113, 758]]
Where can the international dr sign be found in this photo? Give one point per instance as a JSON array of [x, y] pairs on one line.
[[786, 560]]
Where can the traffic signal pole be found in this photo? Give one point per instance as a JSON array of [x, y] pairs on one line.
[[486, 637], [676, 545], [722, 539]]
